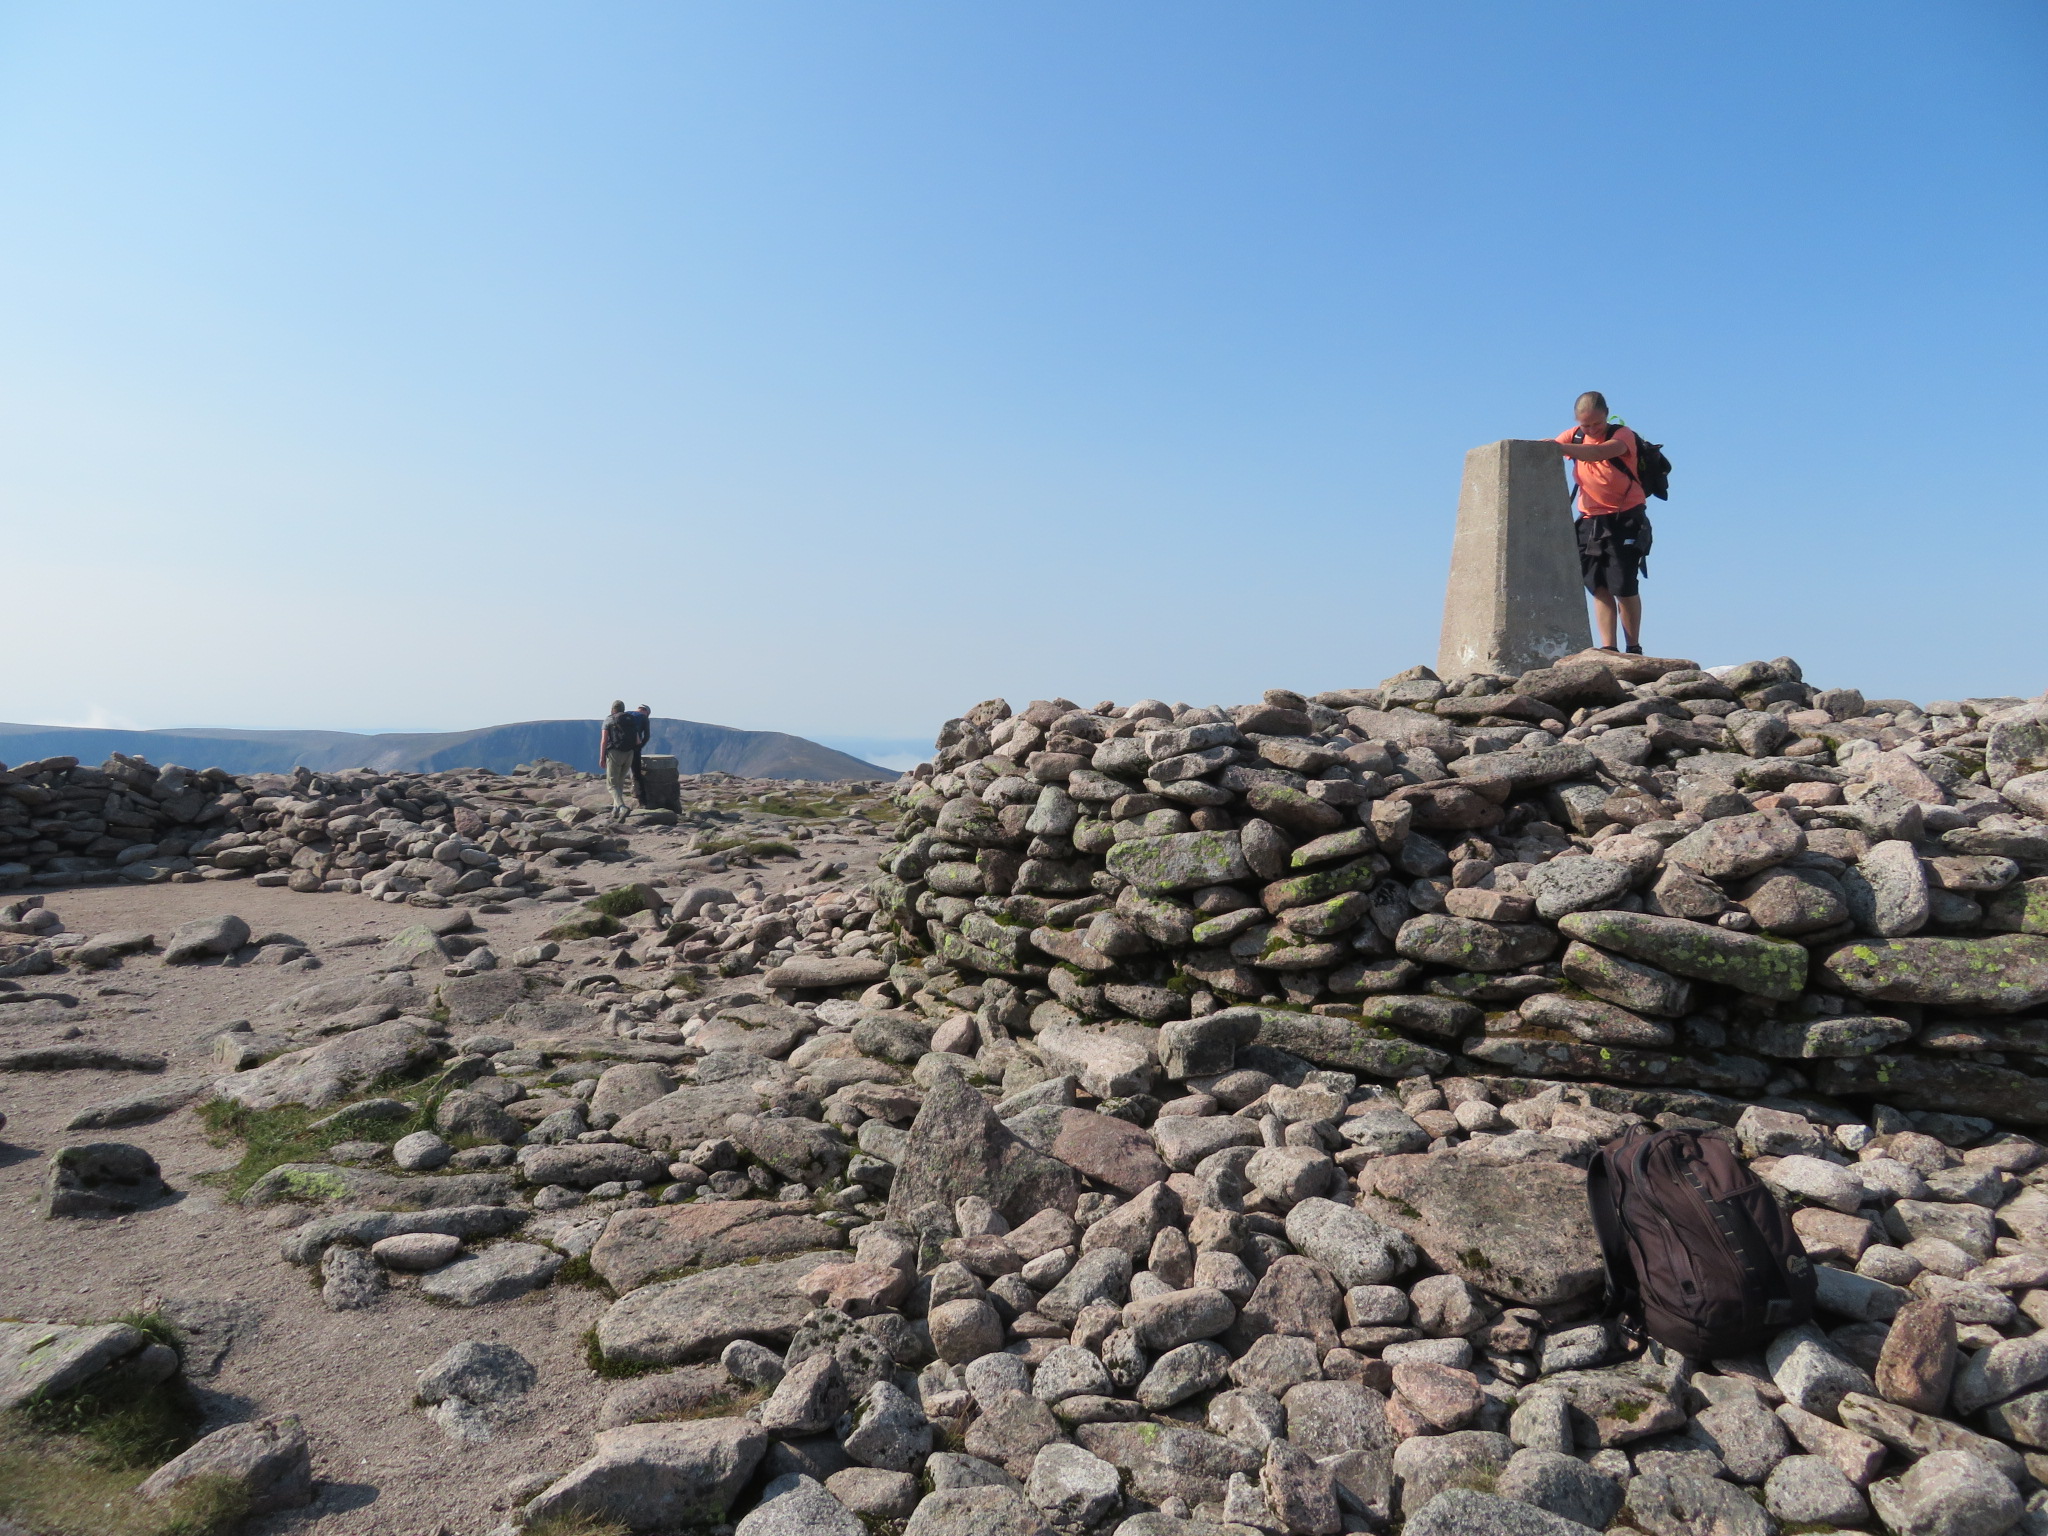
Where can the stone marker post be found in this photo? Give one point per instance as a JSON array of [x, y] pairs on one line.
[[1515, 599], [664, 789]]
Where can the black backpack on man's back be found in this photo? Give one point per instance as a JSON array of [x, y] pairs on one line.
[[629, 731], [1653, 469], [1700, 1256]]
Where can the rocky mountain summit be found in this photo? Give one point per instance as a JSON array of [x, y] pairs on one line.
[[1163, 1121]]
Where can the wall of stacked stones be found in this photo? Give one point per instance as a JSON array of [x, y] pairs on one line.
[[1617, 870], [64, 823]]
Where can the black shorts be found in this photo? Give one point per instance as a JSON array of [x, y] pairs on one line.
[[1613, 549]]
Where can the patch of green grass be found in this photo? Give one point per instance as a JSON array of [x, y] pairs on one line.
[[721, 1405], [576, 1524], [577, 1271], [598, 925], [53, 1485], [272, 1137], [102, 1442], [136, 1427], [621, 901], [611, 1370]]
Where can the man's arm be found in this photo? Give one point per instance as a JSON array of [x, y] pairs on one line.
[[1613, 448]]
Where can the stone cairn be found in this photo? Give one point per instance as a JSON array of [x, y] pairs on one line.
[[1619, 869]]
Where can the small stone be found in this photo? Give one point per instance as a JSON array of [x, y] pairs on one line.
[[798, 1505], [874, 1492], [1073, 1486], [1690, 1504], [351, 1279], [808, 1400], [1068, 1371], [965, 1330], [1748, 1437], [98, 1179], [414, 1252], [889, 1431], [1562, 1484], [1811, 1490], [1918, 1362], [420, 1152], [1947, 1493], [1469, 1512], [1180, 1373], [1813, 1374]]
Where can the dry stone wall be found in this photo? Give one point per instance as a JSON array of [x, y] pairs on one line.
[[1697, 888]]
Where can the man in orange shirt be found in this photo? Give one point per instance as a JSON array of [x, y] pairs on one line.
[[1614, 521]]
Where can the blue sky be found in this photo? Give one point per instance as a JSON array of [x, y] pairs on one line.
[[827, 368]]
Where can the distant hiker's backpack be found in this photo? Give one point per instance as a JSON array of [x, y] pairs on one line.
[[1653, 469], [1699, 1255], [628, 732]]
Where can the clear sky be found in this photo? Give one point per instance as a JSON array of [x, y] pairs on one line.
[[827, 367]]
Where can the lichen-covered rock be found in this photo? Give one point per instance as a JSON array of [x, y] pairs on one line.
[[2004, 974], [1763, 967]]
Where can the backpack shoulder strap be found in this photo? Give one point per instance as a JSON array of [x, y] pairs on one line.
[[1604, 1204]]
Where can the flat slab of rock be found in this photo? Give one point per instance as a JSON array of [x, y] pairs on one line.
[[326, 1074], [586, 1167], [672, 1322], [344, 994], [640, 1246], [2000, 975], [1956, 1087], [139, 1108], [680, 1121], [1520, 1232], [658, 1477], [1374, 1050], [305, 1244], [808, 973], [1102, 1147], [364, 1186], [80, 1058], [1774, 968], [765, 1029], [498, 1273], [47, 1359]]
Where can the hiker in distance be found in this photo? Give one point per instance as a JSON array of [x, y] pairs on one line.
[[618, 750], [1614, 522], [646, 714]]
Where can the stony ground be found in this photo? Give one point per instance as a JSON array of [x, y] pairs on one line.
[[1175, 1123], [262, 1342]]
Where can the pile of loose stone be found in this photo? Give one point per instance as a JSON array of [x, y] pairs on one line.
[[1249, 1294], [1618, 868], [398, 836]]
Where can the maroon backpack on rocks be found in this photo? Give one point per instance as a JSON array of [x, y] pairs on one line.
[[1700, 1256]]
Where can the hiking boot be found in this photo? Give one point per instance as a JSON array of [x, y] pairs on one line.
[[1635, 650]]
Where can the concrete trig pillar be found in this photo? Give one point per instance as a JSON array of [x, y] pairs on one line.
[[1515, 599], [664, 788]]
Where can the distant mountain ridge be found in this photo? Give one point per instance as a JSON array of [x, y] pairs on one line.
[[698, 748]]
